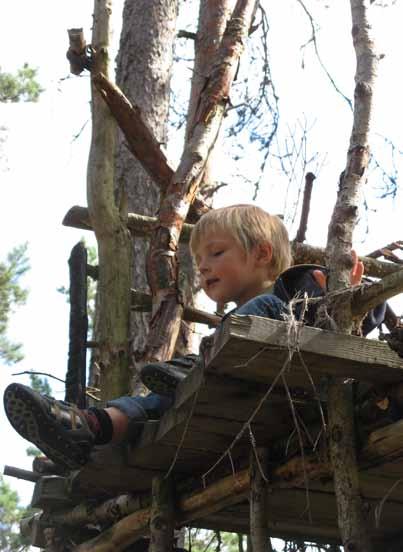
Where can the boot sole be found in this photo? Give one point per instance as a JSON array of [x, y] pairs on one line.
[[29, 418], [159, 382]]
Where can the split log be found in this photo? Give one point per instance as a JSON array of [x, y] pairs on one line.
[[352, 526]]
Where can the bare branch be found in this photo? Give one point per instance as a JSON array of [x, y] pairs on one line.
[[301, 234], [315, 45]]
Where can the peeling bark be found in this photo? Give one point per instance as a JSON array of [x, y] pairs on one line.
[[162, 262]]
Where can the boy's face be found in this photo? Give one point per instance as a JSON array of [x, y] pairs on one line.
[[229, 273]]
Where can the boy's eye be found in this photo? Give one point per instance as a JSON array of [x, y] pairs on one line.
[[218, 253]]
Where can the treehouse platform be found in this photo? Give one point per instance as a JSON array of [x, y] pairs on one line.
[[263, 388]]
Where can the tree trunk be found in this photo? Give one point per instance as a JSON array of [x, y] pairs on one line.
[[143, 73], [340, 406], [114, 242], [162, 261], [213, 18]]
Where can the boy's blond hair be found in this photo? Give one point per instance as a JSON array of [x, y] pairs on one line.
[[250, 226]]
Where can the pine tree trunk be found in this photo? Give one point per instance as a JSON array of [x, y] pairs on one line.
[[143, 73]]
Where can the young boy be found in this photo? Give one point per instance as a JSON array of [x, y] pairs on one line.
[[240, 251]]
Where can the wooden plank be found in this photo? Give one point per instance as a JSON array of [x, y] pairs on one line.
[[256, 348]]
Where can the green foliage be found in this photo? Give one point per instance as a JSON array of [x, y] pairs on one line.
[[10, 514], [41, 385], [20, 87], [11, 295]]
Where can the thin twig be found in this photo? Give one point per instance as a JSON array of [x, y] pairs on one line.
[[301, 446], [379, 507], [185, 429], [315, 45], [38, 374]]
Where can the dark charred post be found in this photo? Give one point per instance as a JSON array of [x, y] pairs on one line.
[[77, 355], [258, 509], [306, 203], [162, 515], [21, 474]]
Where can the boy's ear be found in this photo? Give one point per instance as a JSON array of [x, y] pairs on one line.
[[264, 253]]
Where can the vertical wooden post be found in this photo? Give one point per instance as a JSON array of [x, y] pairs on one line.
[[78, 328], [258, 510], [162, 515]]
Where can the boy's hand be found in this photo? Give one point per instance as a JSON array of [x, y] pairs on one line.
[[357, 271], [355, 275]]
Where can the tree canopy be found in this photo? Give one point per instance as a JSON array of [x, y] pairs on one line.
[[12, 294], [21, 86]]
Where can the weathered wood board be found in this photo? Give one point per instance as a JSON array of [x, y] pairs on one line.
[[211, 408]]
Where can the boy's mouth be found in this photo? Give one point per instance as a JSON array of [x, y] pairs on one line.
[[211, 281]]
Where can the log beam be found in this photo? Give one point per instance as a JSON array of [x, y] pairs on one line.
[[382, 446], [144, 226]]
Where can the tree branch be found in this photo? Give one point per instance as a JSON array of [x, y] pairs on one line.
[[301, 234], [140, 139]]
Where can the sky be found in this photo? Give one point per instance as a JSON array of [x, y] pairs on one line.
[[43, 168]]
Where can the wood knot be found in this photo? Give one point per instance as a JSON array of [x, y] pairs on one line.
[[337, 434]]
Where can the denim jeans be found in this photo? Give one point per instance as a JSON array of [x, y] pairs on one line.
[[153, 405]]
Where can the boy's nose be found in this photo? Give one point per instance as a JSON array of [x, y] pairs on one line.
[[203, 267]]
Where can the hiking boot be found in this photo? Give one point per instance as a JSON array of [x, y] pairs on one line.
[[57, 428], [163, 377]]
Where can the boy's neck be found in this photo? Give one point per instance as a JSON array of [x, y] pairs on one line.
[[265, 287]]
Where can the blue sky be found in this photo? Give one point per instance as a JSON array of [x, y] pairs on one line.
[[45, 168]]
